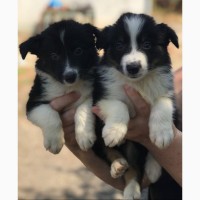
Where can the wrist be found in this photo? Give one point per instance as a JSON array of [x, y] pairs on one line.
[[145, 141]]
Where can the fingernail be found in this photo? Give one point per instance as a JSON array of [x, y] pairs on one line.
[[75, 94], [95, 109], [127, 88], [53, 104]]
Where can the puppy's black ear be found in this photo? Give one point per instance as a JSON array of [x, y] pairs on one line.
[[32, 45], [167, 34], [94, 31], [105, 36]]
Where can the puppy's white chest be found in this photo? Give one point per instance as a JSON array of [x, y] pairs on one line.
[[150, 87], [53, 89]]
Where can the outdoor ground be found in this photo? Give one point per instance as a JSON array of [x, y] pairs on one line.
[[43, 175]]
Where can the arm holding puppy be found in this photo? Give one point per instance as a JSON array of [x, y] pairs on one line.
[[169, 158], [64, 105]]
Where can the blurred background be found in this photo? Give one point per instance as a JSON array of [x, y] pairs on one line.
[[42, 175]]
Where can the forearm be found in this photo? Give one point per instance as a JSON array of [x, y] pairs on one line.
[[97, 166], [169, 158]]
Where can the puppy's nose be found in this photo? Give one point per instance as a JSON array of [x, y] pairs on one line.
[[70, 77], [133, 68]]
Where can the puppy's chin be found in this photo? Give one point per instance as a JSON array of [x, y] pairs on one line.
[[70, 83], [136, 77]]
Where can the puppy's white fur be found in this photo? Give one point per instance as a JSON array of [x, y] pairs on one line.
[[49, 121], [84, 126], [152, 168], [118, 167], [160, 122], [134, 56], [116, 118], [153, 89], [117, 113], [155, 85], [132, 190], [133, 27]]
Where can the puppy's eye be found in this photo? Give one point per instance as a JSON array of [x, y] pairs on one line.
[[54, 56], [119, 46], [146, 45], [78, 51]]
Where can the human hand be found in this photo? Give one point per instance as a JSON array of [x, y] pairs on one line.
[[64, 105], [138, 129], [178, 95]]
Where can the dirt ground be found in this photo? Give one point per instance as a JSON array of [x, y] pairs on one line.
[[43, 175]]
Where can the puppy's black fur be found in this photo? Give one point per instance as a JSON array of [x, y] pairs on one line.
[[135, 53], [67, 55], [52, 53]]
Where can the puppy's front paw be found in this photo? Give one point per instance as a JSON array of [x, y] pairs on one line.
[[54, 143], [118, 167], [85, 139], [161, 135], [114, 134]]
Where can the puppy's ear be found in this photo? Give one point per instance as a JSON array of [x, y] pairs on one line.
[[32, 45], [105, 36], [167, 34], [94, 31]]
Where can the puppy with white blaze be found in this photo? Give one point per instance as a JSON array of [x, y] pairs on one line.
[[66, 54], [135, 54]]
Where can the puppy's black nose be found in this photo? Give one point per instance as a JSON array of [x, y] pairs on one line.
[[133, 68], [70, 77]]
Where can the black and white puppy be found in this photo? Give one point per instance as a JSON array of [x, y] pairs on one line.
[[135, 53], [66, 54]]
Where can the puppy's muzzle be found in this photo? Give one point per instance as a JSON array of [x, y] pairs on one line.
[[70, 77], [133, 68]]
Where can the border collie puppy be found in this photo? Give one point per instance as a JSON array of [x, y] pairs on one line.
[[66, 54], [135, 53]]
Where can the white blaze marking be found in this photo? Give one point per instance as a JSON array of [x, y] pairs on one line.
[[133, 27]]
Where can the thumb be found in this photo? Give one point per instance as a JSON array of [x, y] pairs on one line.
[[96, 110], [59, 103], [139, 103]]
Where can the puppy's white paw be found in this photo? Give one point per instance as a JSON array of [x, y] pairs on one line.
[[132, 191], [118, 167], [153, 169], [161, 135], [131, 196], [85, 139], [114, 134], [153, 173], [53, 143]]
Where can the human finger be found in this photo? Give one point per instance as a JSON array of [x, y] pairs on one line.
[[96, 110], [69, 132], [67, 117], [145, 181], [140, 105], [64, 101]]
